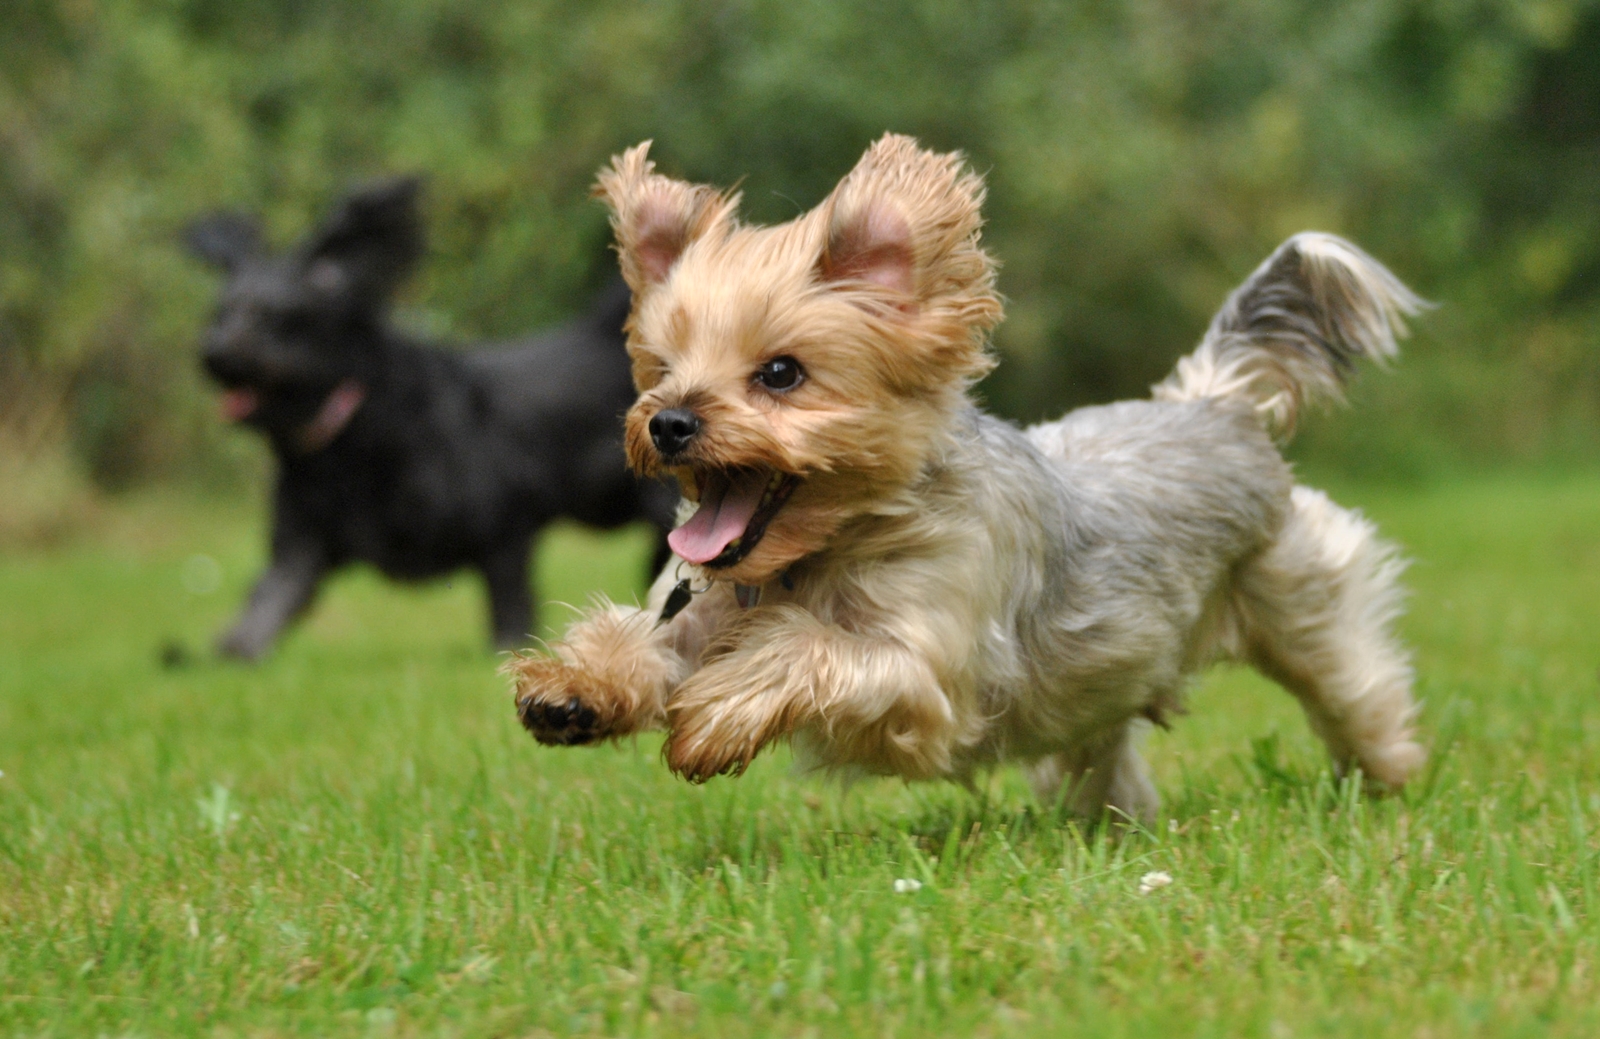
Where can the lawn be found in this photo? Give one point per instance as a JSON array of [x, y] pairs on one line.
[[355, 838]]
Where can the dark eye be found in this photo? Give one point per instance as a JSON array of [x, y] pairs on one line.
[[780, 374]]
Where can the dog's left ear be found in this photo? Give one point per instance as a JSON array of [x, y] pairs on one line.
[[224, 240], [657, 218], [368, 244], [907, 219]]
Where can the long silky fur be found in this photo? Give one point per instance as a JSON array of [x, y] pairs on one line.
[[944, 591], [1292, 333]]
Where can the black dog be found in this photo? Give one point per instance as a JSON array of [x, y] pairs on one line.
[[415, 459]]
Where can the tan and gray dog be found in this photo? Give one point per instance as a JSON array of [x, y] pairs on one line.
[[903, 585]]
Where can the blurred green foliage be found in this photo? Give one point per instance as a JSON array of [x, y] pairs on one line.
[[1142, 156]]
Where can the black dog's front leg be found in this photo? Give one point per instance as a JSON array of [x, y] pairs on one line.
[[659, 503], [505, 571], [278, 597]]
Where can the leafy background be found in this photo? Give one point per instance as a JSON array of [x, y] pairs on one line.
[[1142, 156]]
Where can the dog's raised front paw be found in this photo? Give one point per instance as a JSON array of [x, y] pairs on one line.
[[559, 704], [243, 645], [699, 760], [562, 725], [707, 742]]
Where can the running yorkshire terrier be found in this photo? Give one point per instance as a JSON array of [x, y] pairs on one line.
[[901, 584]]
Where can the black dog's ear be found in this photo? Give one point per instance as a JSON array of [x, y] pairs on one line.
[[369, 243], [223, 240]]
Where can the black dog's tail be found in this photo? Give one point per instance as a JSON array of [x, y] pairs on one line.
[[1291, 334]]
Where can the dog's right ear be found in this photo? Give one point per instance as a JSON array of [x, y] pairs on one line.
[[907, 219], [224, 240], [656, 218], [368, 244]]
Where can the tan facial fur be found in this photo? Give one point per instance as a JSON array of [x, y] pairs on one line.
[[881, 293]]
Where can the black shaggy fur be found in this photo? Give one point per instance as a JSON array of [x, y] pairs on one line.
[[415, 459]]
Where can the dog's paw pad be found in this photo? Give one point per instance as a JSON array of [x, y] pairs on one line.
[[565, 724]]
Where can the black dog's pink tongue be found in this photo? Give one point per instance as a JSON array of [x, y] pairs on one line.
[[726, 508], [238, 404]]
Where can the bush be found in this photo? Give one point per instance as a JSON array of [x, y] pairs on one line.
[[1142, 157]]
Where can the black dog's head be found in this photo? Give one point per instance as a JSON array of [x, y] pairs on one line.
[[297, 334]]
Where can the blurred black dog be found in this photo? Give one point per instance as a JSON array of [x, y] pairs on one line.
[[415, 459]]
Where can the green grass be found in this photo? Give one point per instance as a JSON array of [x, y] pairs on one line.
[[357, 839]]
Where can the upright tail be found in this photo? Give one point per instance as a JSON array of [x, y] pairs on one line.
[[1291, 334]]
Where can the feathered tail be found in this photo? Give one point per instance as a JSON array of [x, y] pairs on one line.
[[1291, 334]]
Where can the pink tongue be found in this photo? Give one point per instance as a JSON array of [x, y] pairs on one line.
[[238, 404], [725, 510]]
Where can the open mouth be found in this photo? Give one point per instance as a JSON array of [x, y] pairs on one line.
[[735, 508], [239, 403]]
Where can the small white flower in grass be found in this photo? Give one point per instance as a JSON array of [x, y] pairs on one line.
[[906, 885], [1155, 880]]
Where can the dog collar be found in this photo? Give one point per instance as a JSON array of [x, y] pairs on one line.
[[746, 595], [338, 408]]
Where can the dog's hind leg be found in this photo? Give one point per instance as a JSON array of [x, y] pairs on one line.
[[1105, 773], [1317, 611], [505, 572]]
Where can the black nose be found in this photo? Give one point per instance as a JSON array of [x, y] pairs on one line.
[[672, 429]]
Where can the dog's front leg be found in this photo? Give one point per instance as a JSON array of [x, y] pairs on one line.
[[870, 701], [611, 673], [279, 596]]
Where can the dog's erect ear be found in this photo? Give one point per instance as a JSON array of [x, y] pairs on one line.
[[655, 218], [369, 243], [907, 219], [871, 244], [224, 240]]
